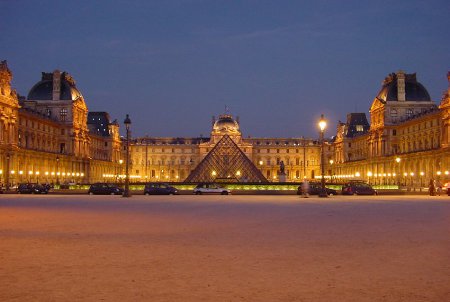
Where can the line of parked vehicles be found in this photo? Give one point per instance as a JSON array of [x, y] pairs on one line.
[[314, 188], [359, 188]]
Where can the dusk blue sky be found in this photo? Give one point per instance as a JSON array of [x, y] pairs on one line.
[[277, 64]]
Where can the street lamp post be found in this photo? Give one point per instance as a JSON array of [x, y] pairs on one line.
[[397, 160], [331, 170], [126, 191], [8, 158], [119, 171], [57, 170], [322, 126]]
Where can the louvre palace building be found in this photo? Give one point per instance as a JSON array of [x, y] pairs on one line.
[[50, 136]]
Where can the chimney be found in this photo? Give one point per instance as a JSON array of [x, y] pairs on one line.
[[56, 85], [401, 94]]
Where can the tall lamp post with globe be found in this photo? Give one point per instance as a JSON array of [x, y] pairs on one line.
[[126, 191], [322, 126]]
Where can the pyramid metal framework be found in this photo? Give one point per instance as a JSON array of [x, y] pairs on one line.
[[226, 163]]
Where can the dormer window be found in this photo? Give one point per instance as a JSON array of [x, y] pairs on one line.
[[63, 114], [359, 128], [409, 112], [394, 112]]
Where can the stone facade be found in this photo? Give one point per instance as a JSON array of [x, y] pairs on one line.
[[51, 137], [173, 159], [45, 137], [407, 142]]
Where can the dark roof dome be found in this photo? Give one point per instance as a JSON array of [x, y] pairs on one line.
[[414, 91], [43, 90]]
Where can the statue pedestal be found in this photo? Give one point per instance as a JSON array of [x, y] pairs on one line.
[[281, 177]]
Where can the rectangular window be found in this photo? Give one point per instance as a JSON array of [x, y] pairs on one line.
[[63, 114]]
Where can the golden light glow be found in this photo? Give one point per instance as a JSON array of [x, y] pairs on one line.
[[1, 171], [120, 161], [405, 174], [322, 123], [213, 173], [46, 173], [12, 171], [369, 174], [20, 172], [53, 173], [30, 172], [398, 159], [412, 173], [422, 174], [260, 162], [357, 174], [331, 161], [238, 173], [446, 172], [438, 173]]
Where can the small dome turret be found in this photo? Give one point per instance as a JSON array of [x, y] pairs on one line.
[[226, 125]]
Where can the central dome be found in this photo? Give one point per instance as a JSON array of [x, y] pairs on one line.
[[226, 124]]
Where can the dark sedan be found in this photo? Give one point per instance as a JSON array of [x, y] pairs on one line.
[[159, 189], [358, 189], [104, 189], [32, 189], [315, 188]]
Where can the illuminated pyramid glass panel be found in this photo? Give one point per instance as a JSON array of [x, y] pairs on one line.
[[226, 163]]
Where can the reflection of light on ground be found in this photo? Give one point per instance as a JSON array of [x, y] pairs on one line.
[[216, 248]]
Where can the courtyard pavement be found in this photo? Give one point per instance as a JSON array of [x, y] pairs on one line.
[[224, 248]]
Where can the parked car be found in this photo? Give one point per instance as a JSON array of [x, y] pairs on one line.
[[105, 189], [32, 189], [315, 188], [210, 188], [358, 188], [159, 189], [447, 186]]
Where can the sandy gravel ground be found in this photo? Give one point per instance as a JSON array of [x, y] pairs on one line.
[[224, 248]]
